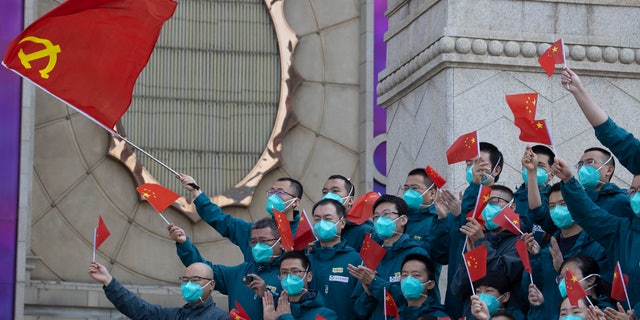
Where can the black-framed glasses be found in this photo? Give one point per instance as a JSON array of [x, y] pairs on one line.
[[384, 213], [295, 272], [279, 193], [253, 242], [186, 279], [496, 200]]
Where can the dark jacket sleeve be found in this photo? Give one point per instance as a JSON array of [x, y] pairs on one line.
[[540, 216], [439, 238], [131, 305], [621, 143]]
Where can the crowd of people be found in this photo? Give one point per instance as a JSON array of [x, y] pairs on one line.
[[584, 226]]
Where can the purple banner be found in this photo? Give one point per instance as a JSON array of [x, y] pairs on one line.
[[380, 26], [10, 25]]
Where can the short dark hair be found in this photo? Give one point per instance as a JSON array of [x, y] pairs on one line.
[[297, 254], [340, 210], [504, 189], [428, 265], [494, 279], [503, 313], [295, 184], [267, 222], [554, 188], [495, 157], [351, 189], [421, 172], [401, 205], [605, 152], [542, 149]]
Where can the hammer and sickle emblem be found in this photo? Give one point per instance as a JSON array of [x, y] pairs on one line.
[[50, 50]]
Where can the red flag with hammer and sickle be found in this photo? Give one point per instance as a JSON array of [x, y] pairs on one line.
[[89, 53]]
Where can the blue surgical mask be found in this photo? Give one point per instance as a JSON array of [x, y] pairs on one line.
[[491, 301], [572, 317], [293, 284], [561, 217], [414, 198], [488, 214], [334, 196], [325, 230], [191, 291], [470, 174], [635, 203], [385, 227], [562, 287], [589, 176], [262, 252], [275, 202], [542, 176], [412, 288]]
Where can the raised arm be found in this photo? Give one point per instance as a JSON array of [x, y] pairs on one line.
[[590, 108]]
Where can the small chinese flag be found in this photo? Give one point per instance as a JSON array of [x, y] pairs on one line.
[[362, 209], [286, 236], [521, 247], [319, 317], [476, 262], [523, 105], [90, 53], [102, 233], [464, 148], [481, 202], [304, 233], [554, 55], [371, 253], [575, 291], [158, 196], [435, 177], [619, 284], [390, 306], [509, 220], [238, 313], [534, 131]]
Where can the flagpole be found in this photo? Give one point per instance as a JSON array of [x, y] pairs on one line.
[[95, 232], [624, 285], [163, 218], [384, 292], [110, 130], [306, 217]]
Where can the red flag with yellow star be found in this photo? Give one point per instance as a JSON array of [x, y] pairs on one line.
[[362, 209], [575, 291], [435, 177], [390, 306], [476, 263], [552, 56], [619, 284], [509, 220], [158, 196], [371, 253], [464, 148], [304, 233], [238, 313], [534, 131], [90, 53], [284, 227], [523, 105]]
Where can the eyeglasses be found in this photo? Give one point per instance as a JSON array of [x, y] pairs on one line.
[[279, 193], [384, 213], [590, 162], [496, 200], [253, 242], [186, 279], [295, 272]]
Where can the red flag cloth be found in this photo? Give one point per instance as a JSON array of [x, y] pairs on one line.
[[534, 130], [575, 291], [90, 53], [390, 306], [481, 202], [371, 253], [521, 247], [619, 284], [238, 313], [523, 105], [304, 233], [158, 196], [319, 317], [464, 148], [286, 237], [476, 262], [552, 56], [509, 220], [102, 233], [362, 209], [435, 177]]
